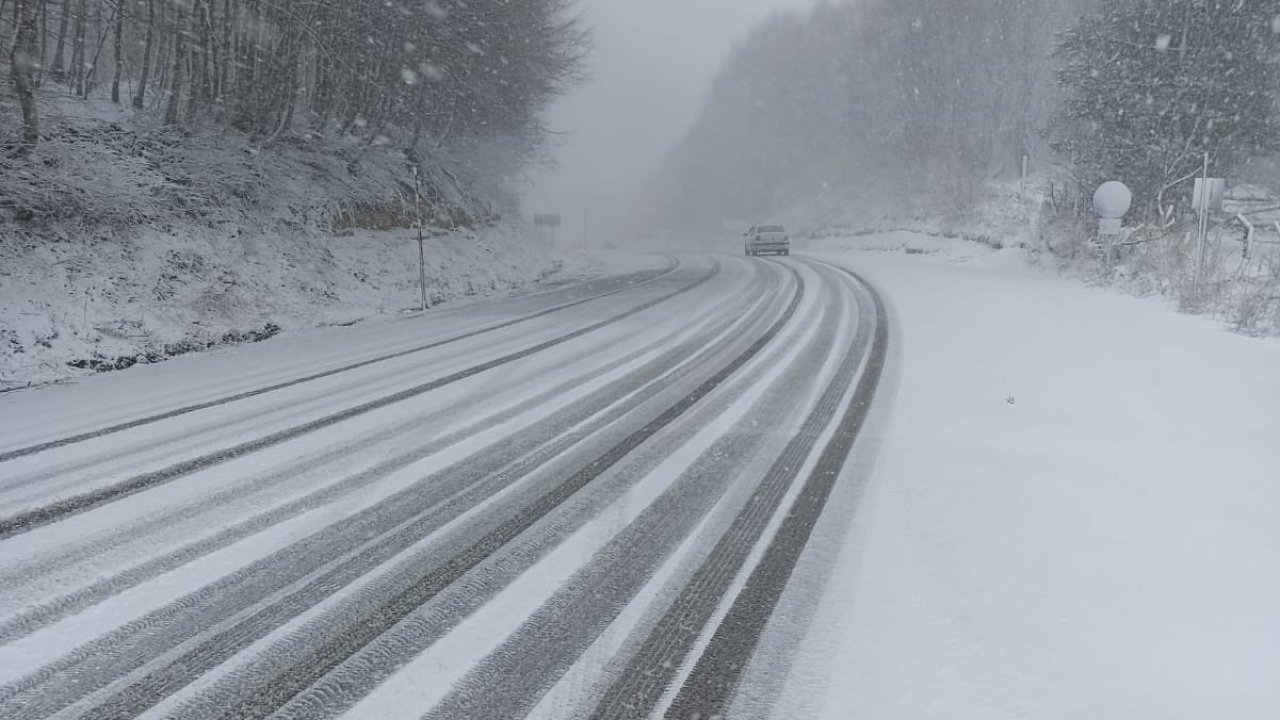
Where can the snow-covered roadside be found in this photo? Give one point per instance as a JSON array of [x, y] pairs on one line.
[[164, 291], [1074, 513]]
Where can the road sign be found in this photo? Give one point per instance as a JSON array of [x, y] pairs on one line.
[[1217, 191], [547, 220]]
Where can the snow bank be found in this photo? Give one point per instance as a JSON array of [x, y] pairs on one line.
[[1074, 513], [119, 296], [1039, 215]]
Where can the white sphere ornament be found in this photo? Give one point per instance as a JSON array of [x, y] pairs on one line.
[[1112, 200]]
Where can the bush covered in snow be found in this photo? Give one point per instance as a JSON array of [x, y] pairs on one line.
[[1043, 219]]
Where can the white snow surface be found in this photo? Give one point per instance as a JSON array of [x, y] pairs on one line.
[[124, 294], [1073, 515]]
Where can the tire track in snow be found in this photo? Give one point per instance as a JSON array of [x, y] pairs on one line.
[[42, 480], [627, 282], [38, 517], [271, 694], [138, 642], [95, 546], [337, 691], [709, 689], [562, 629], [640, 687], [33, 619]]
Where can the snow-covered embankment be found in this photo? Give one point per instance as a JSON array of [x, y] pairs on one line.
[[1074, 510]]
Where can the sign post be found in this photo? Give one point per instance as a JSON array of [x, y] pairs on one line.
[[549, 222], [422, 252], [1206, 197]]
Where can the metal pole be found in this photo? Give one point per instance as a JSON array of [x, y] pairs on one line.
[[1202, 229], [422, 252], [422, 269], [1248, 238]]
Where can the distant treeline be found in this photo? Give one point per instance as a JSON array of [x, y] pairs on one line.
[[936, 98]]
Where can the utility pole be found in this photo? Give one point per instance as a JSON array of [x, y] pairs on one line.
[[1202, 229], [422, 253]]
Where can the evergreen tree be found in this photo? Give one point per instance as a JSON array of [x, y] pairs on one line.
[[1153, 85]]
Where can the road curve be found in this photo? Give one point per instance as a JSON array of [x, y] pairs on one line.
[[585, 504]]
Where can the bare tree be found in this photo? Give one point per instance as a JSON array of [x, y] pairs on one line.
[[58, 71], [449, 73], [78, 50], [171, 113], [140, 94], [118, 49], [22, 64]]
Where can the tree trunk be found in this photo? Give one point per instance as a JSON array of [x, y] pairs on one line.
[[215, 53], [206, 51], [140, 96], [44, 42], [164, 46], [22, 61], [4, 4], [103, 31], [198, 66], [119, 53], [77, 50], [91, 63], [228, 49], [59, 71], [171, 114]]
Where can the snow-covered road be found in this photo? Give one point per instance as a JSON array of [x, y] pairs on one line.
[[581, 503]]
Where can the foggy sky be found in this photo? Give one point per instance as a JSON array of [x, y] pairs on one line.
[[653, 60]]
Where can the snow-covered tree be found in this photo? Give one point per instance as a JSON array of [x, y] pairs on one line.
[[441, 69], [927, 99], [1153, 85]]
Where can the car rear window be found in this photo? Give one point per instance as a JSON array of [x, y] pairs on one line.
[[771, 229]]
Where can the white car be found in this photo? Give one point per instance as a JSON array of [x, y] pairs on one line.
[[767, 239]]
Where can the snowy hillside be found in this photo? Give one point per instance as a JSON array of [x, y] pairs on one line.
[[176, 175], [113, 300], [125, 241]]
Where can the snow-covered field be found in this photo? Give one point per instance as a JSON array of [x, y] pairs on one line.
[[1074, 513]]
